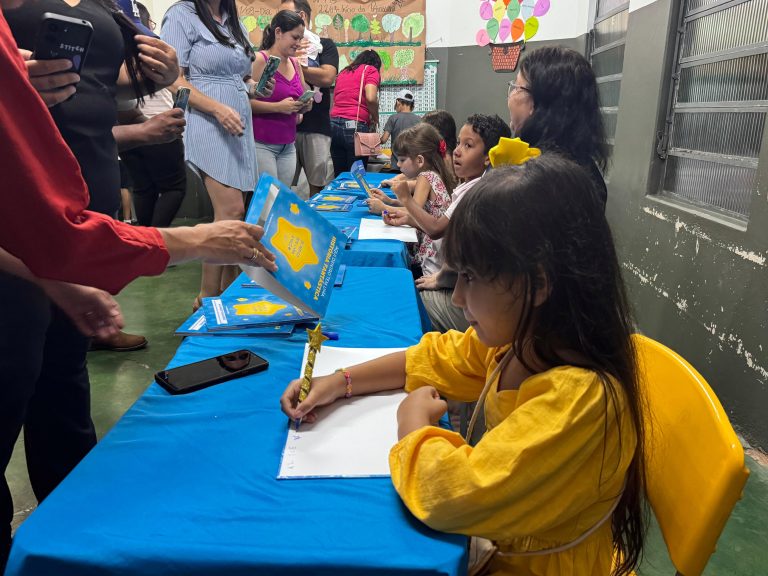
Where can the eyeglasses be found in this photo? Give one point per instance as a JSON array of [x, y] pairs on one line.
[[512, 87]]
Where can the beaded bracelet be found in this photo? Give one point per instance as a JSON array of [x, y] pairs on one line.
[[348, 380]]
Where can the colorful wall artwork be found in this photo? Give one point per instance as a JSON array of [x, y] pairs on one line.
[[396, 29], [510, 20]]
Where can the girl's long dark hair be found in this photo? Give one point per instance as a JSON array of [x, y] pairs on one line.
[[366, 57], [285, 20], [233, 24], [566, 114], [444, 123], [424, 139], [128, 30], [544, 220]]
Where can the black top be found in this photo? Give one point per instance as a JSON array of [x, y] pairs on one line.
[[600, 187], [318, 120], [86, 120]]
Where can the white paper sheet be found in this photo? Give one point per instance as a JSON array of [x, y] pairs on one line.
[[351, 438], [376, 229]]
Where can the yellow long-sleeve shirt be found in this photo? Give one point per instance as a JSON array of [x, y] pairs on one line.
[[551, 463]]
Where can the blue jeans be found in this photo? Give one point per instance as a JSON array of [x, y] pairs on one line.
[[343, 144], [278, 160]]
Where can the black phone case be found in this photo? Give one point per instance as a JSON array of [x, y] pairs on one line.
[[162, 379], [61, 37]]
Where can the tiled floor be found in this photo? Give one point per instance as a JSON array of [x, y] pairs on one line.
[[156, 306]]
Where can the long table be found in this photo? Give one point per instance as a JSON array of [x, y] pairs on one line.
[[187, 484]]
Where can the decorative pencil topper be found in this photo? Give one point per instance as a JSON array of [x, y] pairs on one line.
[[511, 151], [316, 339]]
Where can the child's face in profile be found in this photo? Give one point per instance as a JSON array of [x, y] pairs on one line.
[[410, 167], [492, 308], [469, 157]]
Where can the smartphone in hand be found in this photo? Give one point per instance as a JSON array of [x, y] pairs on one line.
[[307, 96], [181, 99], [199, 375], [62, 37], [269, 71]]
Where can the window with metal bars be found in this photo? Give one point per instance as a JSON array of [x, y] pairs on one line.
[[718, 106], [606, 54]]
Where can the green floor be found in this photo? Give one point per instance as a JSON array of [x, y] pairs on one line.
[[155, 306]]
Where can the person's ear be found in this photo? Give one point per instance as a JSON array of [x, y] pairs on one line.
[[486, 160], [420, 161], [543, 287]]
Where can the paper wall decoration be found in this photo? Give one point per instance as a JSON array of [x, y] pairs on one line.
[[396, 29], [513, 20]]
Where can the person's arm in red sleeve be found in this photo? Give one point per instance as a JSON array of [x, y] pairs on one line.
[[43, 221]]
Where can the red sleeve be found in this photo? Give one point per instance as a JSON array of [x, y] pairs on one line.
[[44, 222]]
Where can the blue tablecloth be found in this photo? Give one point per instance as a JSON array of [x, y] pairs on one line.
[[187, 484], [389, 253]]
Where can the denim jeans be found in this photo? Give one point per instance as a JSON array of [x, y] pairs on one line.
[[278, 160], [343, 145]]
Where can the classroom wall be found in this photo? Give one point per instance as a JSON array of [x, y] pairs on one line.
[[698, 284]]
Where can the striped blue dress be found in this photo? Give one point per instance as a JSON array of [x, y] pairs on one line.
[[217, 71]]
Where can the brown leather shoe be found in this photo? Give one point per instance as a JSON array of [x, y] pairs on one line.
[[120, 342]]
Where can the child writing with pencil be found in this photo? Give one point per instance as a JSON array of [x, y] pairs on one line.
[[421, 155], [556, 481]]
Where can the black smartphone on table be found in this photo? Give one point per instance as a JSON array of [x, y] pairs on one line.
[[62, 37], [199, 375], [181, 99]]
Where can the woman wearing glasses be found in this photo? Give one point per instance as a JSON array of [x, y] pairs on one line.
[[554, 105]]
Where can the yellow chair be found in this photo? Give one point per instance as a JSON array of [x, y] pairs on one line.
[[694, 461]]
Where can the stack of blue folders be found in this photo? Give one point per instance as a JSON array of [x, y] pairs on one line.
[[258, 313], [329, 202]]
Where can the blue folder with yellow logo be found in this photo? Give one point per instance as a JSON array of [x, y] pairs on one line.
[[308, 248]]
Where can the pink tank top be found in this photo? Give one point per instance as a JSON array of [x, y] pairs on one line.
[[279, 128]]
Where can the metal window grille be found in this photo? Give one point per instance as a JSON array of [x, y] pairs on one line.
[[607, 57], [718, 105]]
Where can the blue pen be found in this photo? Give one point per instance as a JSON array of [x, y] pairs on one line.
[[331, 335]]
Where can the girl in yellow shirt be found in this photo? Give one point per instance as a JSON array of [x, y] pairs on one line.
[[556, 481]]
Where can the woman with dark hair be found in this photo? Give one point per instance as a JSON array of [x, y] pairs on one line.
[[556, 482], [215, 57], [275, 117], [355, 108], [554, 105]]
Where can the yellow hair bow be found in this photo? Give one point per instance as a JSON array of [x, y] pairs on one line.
[[511, 152]]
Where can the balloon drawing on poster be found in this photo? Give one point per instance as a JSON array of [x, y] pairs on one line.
[[510, 20]]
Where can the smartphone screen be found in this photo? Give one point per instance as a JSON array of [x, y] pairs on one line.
[[307, 96], [181, 99], [62, 37], [198, 375]]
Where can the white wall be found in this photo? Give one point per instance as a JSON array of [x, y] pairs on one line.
[[455, 22]]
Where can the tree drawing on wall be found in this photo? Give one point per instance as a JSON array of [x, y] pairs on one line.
[[413, 25], [360, 24], [263, 22], [403, 59], [375, 27], [391, 24], [250, 23], [338, 23], [346, 30], [386, 59], [322, 21]]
